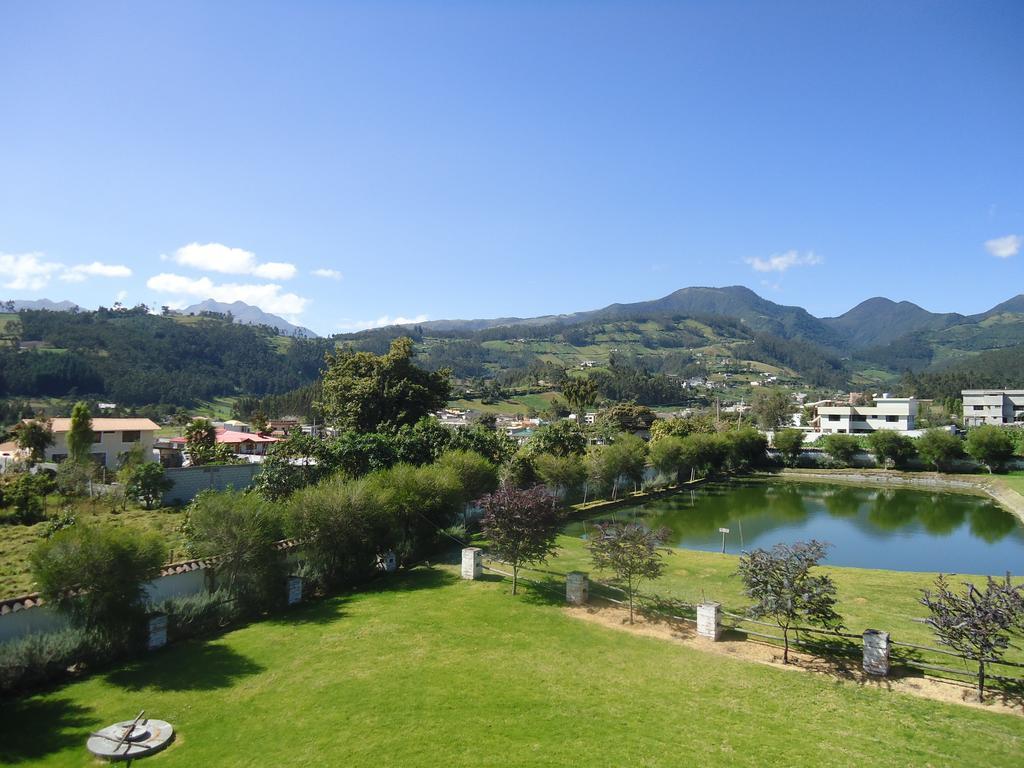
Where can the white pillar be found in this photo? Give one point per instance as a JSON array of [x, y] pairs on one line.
[[876, 652], [709, 620], [157, 632], [294, 590], [472, 563], [577, 588]]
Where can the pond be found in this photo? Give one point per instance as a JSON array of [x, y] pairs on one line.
[[892, 528]]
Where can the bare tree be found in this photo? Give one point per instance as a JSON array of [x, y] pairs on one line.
[[976, 624]]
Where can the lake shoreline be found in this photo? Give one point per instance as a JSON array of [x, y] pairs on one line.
[[1007, 498]]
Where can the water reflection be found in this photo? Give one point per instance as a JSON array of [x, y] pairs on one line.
[[895, 528]]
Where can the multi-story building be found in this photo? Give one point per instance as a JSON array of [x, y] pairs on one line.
[[992, 406], [111, 438], [895, 413]]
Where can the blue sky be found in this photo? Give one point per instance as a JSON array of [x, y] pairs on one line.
[[346, 164]]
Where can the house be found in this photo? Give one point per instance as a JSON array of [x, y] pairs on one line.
[[112, 437], [895, 413], [10, 453], [241, 443], [992, 406]]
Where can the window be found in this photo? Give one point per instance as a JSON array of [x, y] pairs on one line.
[[979, 407], [833, 417], [892, 418], [859, 417], [97, 436], [130, 436]]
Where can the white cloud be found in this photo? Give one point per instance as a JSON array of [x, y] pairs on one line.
[[381, 322], [780, 262], [266, 296], [216, 257], [332, 274], [26, 271], [80, 272], [1004, 247], [32, 272]]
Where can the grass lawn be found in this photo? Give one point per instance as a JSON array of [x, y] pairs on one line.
[[868, 599], [1014, 480], [435, 671], [16, 541]]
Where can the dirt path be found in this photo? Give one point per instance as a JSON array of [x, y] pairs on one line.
[[949, 691]]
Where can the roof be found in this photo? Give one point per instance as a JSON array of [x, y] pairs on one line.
[[10, 447], [106, 425], [232, 438]]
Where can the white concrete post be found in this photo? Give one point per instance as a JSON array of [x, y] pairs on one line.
[[472, 563], [157, 628], [577, 588], [876, 652], [709, 620], [294, 590]]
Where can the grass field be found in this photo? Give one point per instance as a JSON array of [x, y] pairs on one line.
[[435, 671], [1014, 480], [17, 541], [868, 599]]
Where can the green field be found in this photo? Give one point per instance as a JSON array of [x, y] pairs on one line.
[[436, 671], [17, 541]]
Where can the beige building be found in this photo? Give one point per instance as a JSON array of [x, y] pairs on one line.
[[111, 438], [895, 413], [992, 406]]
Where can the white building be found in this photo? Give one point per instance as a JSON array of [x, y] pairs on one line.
[[111, 438], [895, 413], [992, 406]]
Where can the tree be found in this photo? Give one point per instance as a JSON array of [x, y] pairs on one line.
[[607, 464], [240, 530], [891, 449], [521, 526], [27, 495], [771, 408], [98, 576], [80, 434], [259, 423], [990, 445], [704, 453], [682, 427], [367, 392], [789, 443], [35, 437], [631, 551], [939, 448], [781, 584], [745, 447], [628, 417], [580, 394], [73, 478], [667, 456], [200, 441], [563, 438], [147, 483], [842, 448], [565, 473], [976, 624]]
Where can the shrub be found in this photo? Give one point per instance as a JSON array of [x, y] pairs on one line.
[[790, 444], [147, 483], [197, 615], [842, 448], [939, 448], [240, 530], [27, 496], [97, 575], [36, 659], [990, 445], [891, 449]]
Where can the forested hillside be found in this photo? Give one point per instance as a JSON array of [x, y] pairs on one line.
[[131, 357]]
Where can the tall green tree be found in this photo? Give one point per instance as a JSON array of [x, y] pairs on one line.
[[771, 408], [891, 449], [80, 434], [842, 448], [367, 392], [580, 394]]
